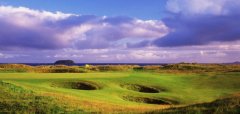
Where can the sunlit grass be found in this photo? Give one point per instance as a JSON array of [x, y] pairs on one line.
[[184, 88]]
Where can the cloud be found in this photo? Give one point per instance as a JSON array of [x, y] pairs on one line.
[[7, 56], [200, 22], [217, 52], [191, 33], [23, 28], [187, 7], [198, 7]]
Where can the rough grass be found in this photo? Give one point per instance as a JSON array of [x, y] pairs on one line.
[[15, 99], [171, 68], [229, 105]]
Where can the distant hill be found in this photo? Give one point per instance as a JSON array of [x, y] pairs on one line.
[[64, 62], [235, 63]]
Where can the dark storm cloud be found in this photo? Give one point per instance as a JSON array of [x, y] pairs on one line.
[[140, 44], [195, 27], [118, 20], [12, 36], [201, 30]]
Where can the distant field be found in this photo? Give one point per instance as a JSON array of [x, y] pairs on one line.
[[112, 92]]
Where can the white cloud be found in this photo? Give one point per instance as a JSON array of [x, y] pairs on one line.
[[7, 56], [30, 13], [104, 56], [66, 55], [26, 17], [213, 7], [49, 30]]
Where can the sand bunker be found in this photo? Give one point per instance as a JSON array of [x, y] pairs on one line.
[[141, 88], [80, 85], [146, 100]]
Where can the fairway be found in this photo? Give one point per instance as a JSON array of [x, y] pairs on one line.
[[125, 91]]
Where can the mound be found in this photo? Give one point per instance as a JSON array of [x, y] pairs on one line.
[[140, 88], [80, 85], [229, 105], [146, 100]]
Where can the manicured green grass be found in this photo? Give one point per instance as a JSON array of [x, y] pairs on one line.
[[183, 89]]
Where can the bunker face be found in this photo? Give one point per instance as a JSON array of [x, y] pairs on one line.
[[83, 86], [146, 100], [140, 88], [80, 85]]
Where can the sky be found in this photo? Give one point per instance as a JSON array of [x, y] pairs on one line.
[[120, 31], [132, 8]]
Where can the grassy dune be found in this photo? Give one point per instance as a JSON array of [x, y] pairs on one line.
[[111, 92]]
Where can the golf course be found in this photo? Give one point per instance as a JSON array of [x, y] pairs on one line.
[[120, 57], [156, 90]]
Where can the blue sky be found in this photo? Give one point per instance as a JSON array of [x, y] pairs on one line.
[[119, 31], [144, 9]]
